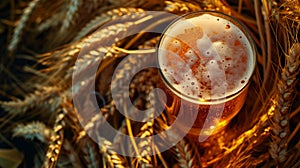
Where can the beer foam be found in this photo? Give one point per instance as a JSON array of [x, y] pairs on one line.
[[217, 64]]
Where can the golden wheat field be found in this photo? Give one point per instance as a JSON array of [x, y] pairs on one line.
[[46, 45]]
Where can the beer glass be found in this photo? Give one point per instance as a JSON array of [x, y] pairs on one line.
[[206, 60]]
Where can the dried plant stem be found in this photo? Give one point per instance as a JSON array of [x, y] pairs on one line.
[[295, 112], [295, 131], [129, 129], [240, 6], [268, 61], [260, 28], [237, 143]]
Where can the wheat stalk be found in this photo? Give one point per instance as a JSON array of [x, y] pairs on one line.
[[266, 142]]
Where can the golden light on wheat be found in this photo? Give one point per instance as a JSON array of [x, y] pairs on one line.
[[40, 126]]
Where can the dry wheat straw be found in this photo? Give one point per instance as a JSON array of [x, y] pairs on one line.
[[21, 25], [238, 152], [97, 45], [33, 130]]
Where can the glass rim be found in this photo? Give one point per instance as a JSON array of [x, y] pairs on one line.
[[222, 99]]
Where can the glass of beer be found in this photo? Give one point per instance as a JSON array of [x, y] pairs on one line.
[[206, 60]]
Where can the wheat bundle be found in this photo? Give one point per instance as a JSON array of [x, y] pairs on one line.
[[46, 44]]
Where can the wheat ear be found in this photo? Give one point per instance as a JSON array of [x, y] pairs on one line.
[[57, 139], [21, 24], [111, 158], [33, 130], [49, 101], [146, 131], [280, 119], [108, 16], [187, 156], [72, 8], [181, 7]]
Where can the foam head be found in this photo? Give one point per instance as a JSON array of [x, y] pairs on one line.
[[206, 56]]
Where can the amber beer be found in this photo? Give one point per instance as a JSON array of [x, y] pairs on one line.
[[206, 60]]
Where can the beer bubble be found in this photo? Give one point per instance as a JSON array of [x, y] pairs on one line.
[[176, 45], [227, 26], [191, 57]]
